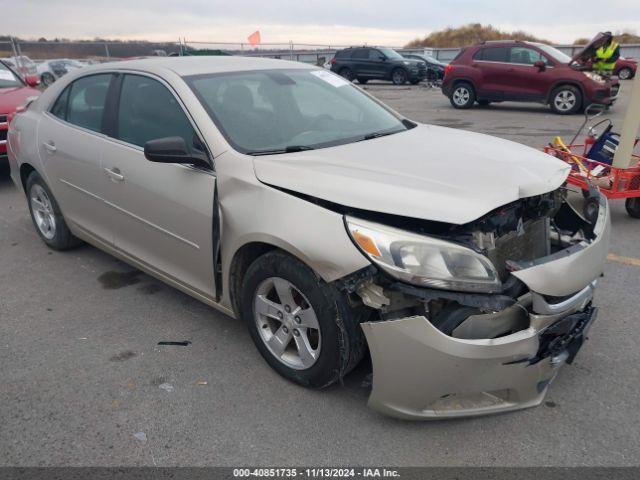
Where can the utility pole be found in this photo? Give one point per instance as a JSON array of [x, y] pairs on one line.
[[630, 127]]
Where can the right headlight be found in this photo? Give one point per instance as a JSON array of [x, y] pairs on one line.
[[423, 260]]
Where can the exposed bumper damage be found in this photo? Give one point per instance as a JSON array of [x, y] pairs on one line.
[[448, 354]]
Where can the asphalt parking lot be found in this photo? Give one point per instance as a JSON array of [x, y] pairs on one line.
[[83, 381]]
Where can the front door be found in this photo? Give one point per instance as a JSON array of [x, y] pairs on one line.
[[164, 211], [528, 82], [71, 143]]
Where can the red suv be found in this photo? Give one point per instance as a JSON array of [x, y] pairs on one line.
[[527, 72]]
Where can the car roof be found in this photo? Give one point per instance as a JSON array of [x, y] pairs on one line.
[[198, 65]]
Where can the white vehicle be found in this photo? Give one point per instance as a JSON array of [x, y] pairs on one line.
[[286, 196], [50, 70]]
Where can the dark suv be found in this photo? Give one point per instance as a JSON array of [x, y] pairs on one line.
[[377, 63], [526, 72]]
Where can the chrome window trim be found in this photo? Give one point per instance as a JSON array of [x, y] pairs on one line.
[[124, 71]]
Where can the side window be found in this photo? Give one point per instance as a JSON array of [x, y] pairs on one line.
[[148, 110], [527, 56], [492, 54], [59, 108], [360, 54], [87, 97], [375, 55]]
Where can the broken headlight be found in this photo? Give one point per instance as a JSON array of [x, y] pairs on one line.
[[424, 261]]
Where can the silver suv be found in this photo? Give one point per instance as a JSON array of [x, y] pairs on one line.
[[281, 194]]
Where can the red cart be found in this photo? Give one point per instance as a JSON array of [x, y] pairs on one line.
[[586, 173]]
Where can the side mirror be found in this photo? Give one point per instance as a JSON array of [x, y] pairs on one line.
[[540, 65], [174, 150], [382, 58], [32, 80]]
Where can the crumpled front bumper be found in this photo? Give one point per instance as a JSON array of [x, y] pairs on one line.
[[420, 373]]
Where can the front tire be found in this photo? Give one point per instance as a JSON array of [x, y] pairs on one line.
[[46, 215], [301, 325], [566, 100], [462, 96], [399, 76], [625, 73], [633, 207]]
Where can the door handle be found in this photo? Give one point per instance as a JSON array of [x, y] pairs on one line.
[[49, 146], [114, 174]]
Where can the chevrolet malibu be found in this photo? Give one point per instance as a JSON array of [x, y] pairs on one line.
[[285, 196]]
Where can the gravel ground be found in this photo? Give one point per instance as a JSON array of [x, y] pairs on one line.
[[83, 381]]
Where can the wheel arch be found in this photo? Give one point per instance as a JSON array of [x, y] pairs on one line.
[[25, 170], [248, 253], [560, 83], [460, 80]]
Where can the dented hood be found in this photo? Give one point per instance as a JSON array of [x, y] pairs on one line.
[[428, 172]]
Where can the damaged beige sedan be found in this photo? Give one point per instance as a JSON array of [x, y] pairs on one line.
[[334, 227]]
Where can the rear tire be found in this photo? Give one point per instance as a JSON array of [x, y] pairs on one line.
[[462, 96], [46, 215], [625, 73], [633, 207], [566, 100], [347, 74], [274, 288], [399, 76]]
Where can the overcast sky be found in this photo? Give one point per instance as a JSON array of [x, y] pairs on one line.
[[382, 22]]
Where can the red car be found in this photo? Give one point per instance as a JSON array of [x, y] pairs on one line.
[[625, 68], [14, 91], [528, 72]]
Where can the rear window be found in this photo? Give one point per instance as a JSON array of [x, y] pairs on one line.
[[343, 54], [492, 54], [462, 50]]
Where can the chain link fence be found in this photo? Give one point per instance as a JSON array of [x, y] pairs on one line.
[[22, 52]]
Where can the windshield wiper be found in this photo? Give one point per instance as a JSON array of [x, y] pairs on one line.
[[287, 149], [371, 136]]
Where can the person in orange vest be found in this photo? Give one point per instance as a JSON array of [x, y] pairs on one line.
[[606, 56]]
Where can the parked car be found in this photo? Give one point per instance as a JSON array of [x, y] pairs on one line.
[[14, 92], [377, 63], [22, 64], [435, 68], [625, 68], [50, 70], [525, 72], [326, 221]]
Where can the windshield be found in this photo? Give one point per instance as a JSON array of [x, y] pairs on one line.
[[278, 111], [390, 53], [554, 53], [8, 78]]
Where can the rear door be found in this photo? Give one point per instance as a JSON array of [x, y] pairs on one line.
[[164, 211], [71, 144], [491, 61], [360, 63]]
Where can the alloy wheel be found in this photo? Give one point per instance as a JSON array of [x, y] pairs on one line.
[[565, 100], [287, 323], [42, 210], [624, 74], [461, 96]]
